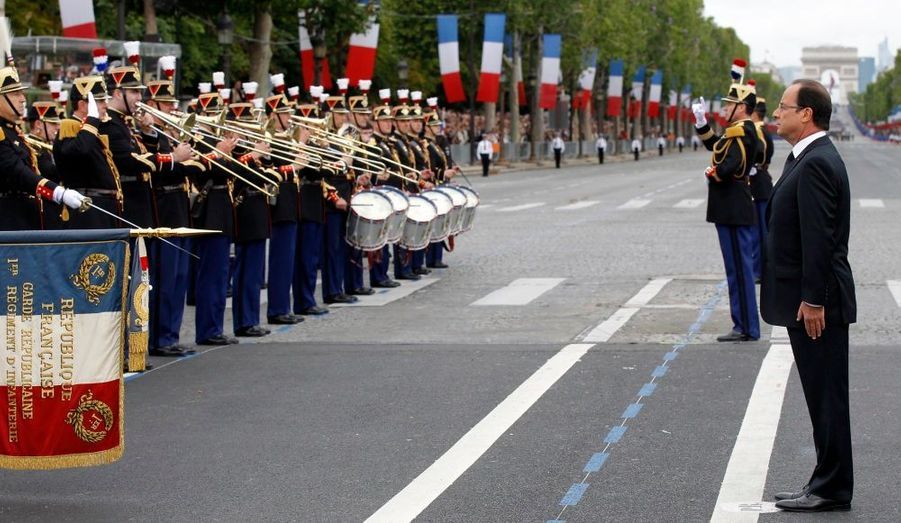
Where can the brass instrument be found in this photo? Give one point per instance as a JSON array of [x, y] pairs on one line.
[[34, 141]]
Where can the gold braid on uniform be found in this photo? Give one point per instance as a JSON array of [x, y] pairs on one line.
[[722, 146]]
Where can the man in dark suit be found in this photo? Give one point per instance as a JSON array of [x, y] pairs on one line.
[[808, 287]]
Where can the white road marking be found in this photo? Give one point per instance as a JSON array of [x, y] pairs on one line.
[[422, 491], [746, 472], [895, 287], [521, 207], [608, 327], [577, 205], [519, 292], [486, 205], [689, 203], [386, 296], [872, 203], [634, 203], [779, 335]]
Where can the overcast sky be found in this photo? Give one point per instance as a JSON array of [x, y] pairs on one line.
[[776, 30]]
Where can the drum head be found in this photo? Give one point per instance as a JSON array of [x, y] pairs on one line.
[[457, 196], [472, 197], [421, 209], [442, 201], [371, 205], [398, 199]]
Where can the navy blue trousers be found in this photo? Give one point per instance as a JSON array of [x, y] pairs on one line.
[[378, 272], [736, 244], [169, 281], [282, 249], [760, 236], [434, 254], [250, 257], [308, 256], [212, 278], [353, 270], [402, 259], [335, 257], [418, 259]]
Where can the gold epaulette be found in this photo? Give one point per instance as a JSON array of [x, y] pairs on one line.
[[736, 130], [68, 128]]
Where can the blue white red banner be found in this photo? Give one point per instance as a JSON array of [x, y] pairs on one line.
[[449, 58], [615, 89], [492, 58], [550, 71]]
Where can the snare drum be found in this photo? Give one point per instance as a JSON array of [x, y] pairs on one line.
[[469, 212], [367, 222], [444, 204], [401, 203], [418, 225], [458, 198]]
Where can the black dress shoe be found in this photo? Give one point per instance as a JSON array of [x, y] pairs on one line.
[[438, 265], [812, 503], [172, 351], [220, 339], [791, 495], [363, 291], [251, 332], [422, 271], [735, 336], [387, 284], [340, 298], [315, 310], [186, 349], [284, 319], [408, 276]]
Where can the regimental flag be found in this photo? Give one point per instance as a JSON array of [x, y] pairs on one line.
[[449, 58], [63, 317], [615, 89], [78, 18], [586, 79], [671, 107], [138, 309], [550, 71], [492, 58], [361, 55], [308, 60], [637, 92], [654, 95]]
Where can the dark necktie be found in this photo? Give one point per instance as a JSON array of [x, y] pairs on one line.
[[789, 162]]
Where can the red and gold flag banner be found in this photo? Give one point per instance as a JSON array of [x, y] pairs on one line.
[[62, 399]]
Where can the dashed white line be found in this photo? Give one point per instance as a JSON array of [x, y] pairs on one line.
[[894, 286], [872, 203], [608, 327], [520, 292], [689, 203], [634, 203], [521, 207], [578, 205]]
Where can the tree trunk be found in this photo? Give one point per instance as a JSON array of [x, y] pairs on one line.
[[514, 98], [260, 50], [537, 115], [151, 32], [490, 110]]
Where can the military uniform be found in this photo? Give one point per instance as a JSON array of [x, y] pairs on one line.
[[731, 208], [761, 186], [407, 154], [440, 162], [378, 267], [39, 115], [353, 272]]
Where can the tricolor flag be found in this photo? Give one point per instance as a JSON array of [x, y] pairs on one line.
[[637, 92], [550, 71], [654, 95], [671, 107], [361, 55], [615, 89], [78, 18], [62, 348], [586, 79], [520, 85], [449, 58], [492, 58]]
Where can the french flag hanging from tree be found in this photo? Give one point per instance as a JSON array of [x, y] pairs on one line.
[[308, 60], [550, 71], [654, 95], [78, 18], [586, 79], [363, 46], [449, 58], [492, 58], [637, 92], [615, 89]]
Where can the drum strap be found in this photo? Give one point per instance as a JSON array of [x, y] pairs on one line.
[[449, 243]]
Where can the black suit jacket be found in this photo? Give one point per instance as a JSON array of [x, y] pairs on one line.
[[806, 254]]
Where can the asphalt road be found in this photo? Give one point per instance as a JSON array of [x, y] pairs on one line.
[[434, 407]]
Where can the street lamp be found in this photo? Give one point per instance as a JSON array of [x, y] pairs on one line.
[[225, 30]]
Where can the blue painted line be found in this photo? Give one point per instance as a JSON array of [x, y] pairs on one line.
[[647, 390], [660, 371], [283, 328], [632, 410], [596, 462], [670, 356], [615, 434], [574, 494], [556, 521]]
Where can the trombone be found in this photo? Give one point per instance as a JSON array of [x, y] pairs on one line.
[[34, 141]]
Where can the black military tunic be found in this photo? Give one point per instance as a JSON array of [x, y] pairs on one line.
[[171, 184], [438, 161], [52, 211], [134, 165], [728, 191], [84, 163], [19, 182], [287, 204], [251, 205], [213, 207], [762, 182], [406, 157]]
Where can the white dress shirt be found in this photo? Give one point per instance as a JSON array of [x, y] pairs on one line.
[[800, 146], [485, 147]]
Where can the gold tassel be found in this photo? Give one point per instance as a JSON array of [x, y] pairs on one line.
[[137, 351], [64, 213]]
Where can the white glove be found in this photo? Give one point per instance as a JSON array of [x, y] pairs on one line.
[[752, 171], [93, 112], [699, 109], [68, 197]]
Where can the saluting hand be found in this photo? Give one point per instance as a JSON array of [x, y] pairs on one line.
[[699, 110], [814, 319], [93, 111]]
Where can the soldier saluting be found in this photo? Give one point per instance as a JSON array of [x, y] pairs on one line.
[[729, 203]]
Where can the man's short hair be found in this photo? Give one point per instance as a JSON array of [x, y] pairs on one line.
[[812, 94]]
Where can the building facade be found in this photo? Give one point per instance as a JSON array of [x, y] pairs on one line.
[[837, 68]]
